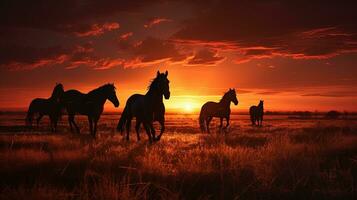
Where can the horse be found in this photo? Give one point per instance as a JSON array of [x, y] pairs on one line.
[[256, 113], [146, 108], [50, 107], [90, 104], [220, 110]]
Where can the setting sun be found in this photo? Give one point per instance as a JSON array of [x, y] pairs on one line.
[[188, 107]]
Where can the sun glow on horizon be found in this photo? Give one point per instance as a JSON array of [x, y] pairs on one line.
[[188, 107]]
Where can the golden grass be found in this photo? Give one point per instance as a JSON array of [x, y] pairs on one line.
[[269, 163]]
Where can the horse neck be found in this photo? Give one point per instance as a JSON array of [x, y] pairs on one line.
[[54, 95], [98, 95], [154, 95], [225, 102]]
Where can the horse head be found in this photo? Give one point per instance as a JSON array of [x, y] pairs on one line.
[[163, 84], [233, 96], [110, 91], [57, 91]]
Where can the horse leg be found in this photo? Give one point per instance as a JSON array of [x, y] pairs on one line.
[[55, 124], [74, 124], [227, 118], [95, 127], [148, 132], [261, 120], [221, 123], [70, 123], [208, 120], [128, 124], [52, 123], [137, 129], [152, 131], [252, 120], [39, 119], [90, 120], [162, 124]]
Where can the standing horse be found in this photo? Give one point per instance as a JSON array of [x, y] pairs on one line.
[[50, 107], [90, 104], [146, 107], [256, 113], [220, 109]]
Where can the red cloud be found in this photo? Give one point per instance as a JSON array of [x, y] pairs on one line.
[[299, 30], [156, 21], [205, 57], [125, 36], [96, 29]]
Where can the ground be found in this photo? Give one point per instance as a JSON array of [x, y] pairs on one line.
[[287, 158]]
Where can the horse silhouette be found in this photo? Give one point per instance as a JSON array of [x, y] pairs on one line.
[[256, 113], [220, 110], [90, 104], [146, 108], [50, 107]]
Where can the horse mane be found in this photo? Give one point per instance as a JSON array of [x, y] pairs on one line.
[[224, 97], [153, 84]]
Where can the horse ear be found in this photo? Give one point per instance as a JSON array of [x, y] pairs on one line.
[[158, 73], [166, 73]]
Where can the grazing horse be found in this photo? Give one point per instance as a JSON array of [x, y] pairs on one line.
[[50, 107], [146, 108], [90, 104], [256, 113], [220, 109]]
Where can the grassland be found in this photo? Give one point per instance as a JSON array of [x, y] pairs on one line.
[[284, 159]]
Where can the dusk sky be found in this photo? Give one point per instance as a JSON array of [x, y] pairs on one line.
[[295, 55]]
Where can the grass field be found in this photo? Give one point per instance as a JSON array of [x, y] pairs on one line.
[[285, 159]]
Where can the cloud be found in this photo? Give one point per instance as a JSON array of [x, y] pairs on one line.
[[156, 21], [152, 50], [331, 94], [205, 57], [61, 15], [94, 29], [21, 57], [125, 36], [299, 30]]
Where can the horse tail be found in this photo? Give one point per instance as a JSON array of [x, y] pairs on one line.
[[123, 119], [29, 116], [202, 122]]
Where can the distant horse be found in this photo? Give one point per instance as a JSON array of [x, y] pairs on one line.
[[90, 104], [220, 109], [256, 113], [50, 107], [146, 107]]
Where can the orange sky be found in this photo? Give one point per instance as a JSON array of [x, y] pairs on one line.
[[296, 55]]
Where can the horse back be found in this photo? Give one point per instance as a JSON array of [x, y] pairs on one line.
[[214, 109], [44, 106]]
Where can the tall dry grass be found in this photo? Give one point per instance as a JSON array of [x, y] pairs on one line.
[[314, 163]]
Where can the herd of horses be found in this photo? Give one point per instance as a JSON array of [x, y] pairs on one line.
[[146, 108]]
